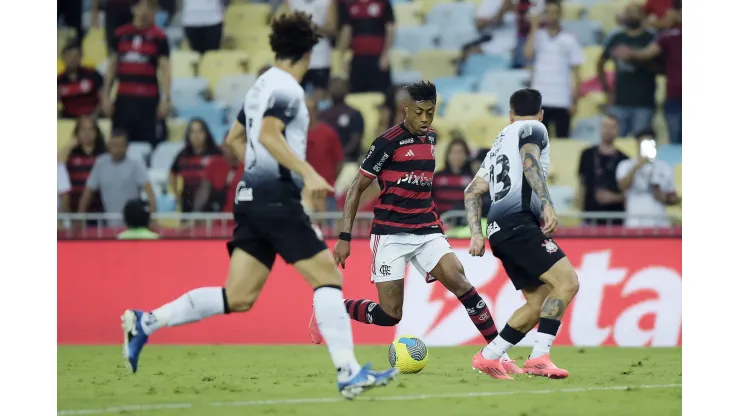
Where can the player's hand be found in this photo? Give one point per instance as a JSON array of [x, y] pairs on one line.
[[477, 245], [550, 219], [341, 252], [315, 184], [163, 109]]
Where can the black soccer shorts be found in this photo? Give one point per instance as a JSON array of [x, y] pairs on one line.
[[526, 252], [263, 232]]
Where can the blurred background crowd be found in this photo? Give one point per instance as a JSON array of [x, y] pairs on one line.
[[148, 89]]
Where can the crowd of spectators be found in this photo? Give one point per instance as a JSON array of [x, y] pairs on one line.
[[98, 175]]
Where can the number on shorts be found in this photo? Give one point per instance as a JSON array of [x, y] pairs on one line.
[[502, 177]]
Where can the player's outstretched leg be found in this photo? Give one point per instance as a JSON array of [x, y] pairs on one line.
[[489, 359], [564, 282], [333, 323], [449, 271], [246, 278], [388, 311]]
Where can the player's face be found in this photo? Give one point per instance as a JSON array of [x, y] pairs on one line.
[[143, 11], [419, 115], [338, 89], [117, 147], [197, 135]]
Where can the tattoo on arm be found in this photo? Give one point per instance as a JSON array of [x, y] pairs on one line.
[[534, 174], [553, 309], [473, 204], [348, 217]]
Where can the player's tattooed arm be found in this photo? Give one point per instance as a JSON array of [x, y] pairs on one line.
[[352, 202], [534, 173], [473, 203]]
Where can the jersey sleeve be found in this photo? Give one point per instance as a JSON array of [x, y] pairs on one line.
[[485, 167], [283, 105], [535, 134], [379, 154]]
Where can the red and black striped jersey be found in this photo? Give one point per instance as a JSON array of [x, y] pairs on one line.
[[139, 50], [79, 91], [403, 163]]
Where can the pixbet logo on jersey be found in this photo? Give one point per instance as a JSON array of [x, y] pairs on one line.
[[414, 179]]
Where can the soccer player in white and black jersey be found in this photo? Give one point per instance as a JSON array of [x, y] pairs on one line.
[[269, 216], [514, 172]]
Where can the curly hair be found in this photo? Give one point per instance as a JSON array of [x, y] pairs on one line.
[[293, 35], [422, 91]]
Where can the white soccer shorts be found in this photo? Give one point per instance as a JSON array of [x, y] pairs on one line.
[[391, 253]]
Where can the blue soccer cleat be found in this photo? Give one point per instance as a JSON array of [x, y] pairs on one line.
[[365, 379], [134, 337]]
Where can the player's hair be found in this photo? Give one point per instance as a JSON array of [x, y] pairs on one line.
[[293, 35], [422, 91], [526, 102], [136, 214]]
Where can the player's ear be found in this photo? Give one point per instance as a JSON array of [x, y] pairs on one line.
[[406, 107]]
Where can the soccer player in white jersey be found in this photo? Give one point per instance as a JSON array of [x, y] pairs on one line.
[[514, 172], [269, 216]]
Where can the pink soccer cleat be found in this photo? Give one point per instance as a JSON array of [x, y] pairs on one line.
[[544, 367], [511, 367], [493, 368], [313, 330]]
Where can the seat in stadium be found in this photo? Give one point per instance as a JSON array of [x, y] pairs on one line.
[[435, 63], [218, 64], [565, 155], [451, 14], [183, 63], [94, 47], [573, 11], [405, 77], [212, 113], [467, 106], [562, 197], [678, 176], [407, 14], [587, 129], [606, 14], [443, 126], [252, 41], [400, 59], [590, 105], [367, 103], [176, 128], [139, 151], [242, 17], [627, 145], [166, 202], [188, 92], [65, 130], [448, 86], [64, 36], [260, 58], [232, 89], [586, 32], [670, 153], [591, 55], [164, 154], [415, 38], [454, 37], [503, 83], [161, 18], [175, 36], [482, 131], [477, 65]]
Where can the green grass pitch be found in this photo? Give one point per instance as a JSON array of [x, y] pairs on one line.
[[300, 380]]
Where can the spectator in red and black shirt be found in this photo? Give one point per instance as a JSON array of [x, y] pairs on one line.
[[346, 120], [449, 185], [79, 156], [141, 64], [191, 161], [79, 88], [325, 154], [367, 29], [219, 180], [117, 14]]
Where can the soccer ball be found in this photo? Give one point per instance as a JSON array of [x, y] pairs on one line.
[[408, 354]]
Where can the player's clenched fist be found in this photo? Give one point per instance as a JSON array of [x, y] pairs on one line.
[[341, 252], [477, 245]]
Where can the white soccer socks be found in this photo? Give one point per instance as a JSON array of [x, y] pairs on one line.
[[334, 324], [190, 307]]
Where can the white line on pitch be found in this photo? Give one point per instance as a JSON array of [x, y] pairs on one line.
[[151, 407]]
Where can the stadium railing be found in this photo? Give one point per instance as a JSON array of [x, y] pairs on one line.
[[220, 225]]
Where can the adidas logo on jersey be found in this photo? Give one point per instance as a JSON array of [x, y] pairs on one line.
[[410, 153]]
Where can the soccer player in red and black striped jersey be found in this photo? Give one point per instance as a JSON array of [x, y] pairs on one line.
[[406, 226], [141, 64], [78, 87]]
